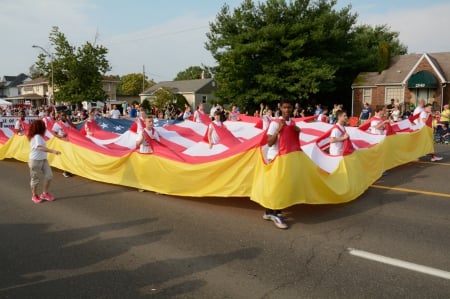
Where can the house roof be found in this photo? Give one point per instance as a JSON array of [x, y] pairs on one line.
[[182, 86], [402, 67], [37, 81], [13, 81]]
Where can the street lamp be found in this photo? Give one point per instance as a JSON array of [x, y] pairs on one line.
[[51, 64]]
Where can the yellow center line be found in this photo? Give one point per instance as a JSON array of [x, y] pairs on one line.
[[411, 191]]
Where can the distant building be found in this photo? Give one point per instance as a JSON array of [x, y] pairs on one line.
[[408, 79], [195, 91], [109, 85], [9, 85]]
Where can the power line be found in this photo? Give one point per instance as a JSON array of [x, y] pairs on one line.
[[158, 35]]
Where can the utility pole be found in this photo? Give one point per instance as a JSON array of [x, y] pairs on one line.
[[51, 64], [143, 78]]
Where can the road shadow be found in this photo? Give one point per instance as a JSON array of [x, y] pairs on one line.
[[32, 248], [160, 279]]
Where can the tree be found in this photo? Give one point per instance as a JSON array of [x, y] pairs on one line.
[[34, 72], [276, 49], [299, 49], [78, 71], [163, 97], [367, 41], [194, 72], [134, 84]]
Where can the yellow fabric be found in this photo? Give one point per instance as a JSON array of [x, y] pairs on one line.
[[293, 179], [290, 179]]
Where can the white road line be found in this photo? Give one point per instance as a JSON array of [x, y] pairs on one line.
[[399, 263]]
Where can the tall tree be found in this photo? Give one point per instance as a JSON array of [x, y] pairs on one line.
[[134, 84], [277, 49], [299, 49], [78, 71], [194, 72]]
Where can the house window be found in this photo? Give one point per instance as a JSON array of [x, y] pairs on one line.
[[28, 88], [367, 96], [395, 93], [204, 98]]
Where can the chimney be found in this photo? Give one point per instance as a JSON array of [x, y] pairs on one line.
[[203, 74]]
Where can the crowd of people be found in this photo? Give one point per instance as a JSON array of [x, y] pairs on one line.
[[278, 123]]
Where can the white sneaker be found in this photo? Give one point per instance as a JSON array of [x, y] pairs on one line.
[[436, 158]]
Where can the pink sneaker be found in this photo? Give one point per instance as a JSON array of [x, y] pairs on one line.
[[47, 196], [36, 199]]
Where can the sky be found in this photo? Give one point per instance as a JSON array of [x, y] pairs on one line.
[[169, 36]]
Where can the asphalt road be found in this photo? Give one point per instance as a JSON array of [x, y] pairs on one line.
[[104, 241]]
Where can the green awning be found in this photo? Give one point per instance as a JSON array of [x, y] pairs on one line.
[[423, 79]]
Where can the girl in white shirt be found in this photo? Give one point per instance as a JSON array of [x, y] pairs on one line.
[[146, 137], [38, 161]]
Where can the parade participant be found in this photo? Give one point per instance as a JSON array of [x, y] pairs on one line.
[[38, 161], [423, 119], [234, 114], [21, 124], [445, 115], [338, 134], [267, 119], [60, 129], [140, 121], [187, 112], [213, 137], [147, 137], [378, 123], [365, 115], [200, 116], [419, 109], [282, 136], [90, 124]]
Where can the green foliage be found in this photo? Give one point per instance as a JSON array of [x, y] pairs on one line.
[[299, 49], [78, 72], [367, 40], [384, 55], [163, 97], [194, 72], [133, 84], [34, 72], [146, 105]]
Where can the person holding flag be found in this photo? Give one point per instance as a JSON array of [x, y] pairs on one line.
[[200, 116], [338, 134], [21, 125], [425, 118], [147, 137], [282, 138], [60, 129]]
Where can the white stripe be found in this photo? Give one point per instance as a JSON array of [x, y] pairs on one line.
[[399, 263]]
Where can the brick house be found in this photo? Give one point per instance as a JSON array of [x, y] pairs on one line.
[[408, 79]]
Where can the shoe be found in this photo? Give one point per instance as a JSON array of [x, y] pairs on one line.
[[67, 174], [36, 199], [47, 197], [141, 190], [436, 158], [267, 215], [279, 221]]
